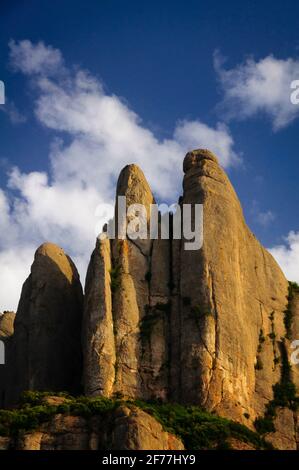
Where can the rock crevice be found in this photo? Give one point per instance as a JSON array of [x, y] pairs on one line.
[[199, 327]]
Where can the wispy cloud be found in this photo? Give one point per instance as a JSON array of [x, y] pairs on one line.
[[103, 135], [14, 115], [38, 58], [261, 86], [287, 255], [263, 218]]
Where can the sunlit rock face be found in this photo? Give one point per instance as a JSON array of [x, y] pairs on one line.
[[201, 327], [159, 321]]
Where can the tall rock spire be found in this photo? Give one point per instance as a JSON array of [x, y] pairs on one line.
[[204, 326], [112, 345], [46, 345], [237, 296]]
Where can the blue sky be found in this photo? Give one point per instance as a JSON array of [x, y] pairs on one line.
[[98, 84]]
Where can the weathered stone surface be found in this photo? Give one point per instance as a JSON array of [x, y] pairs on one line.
[[160, 272], [198, 326], [126, 429], [236, 292], [97, 333], [114, 314], [46, 347], [202, 327], [4, 443], [294, 351], [6, 325], [133, 185], [131, 263], [236, 444], [285, 435], [136, 430]]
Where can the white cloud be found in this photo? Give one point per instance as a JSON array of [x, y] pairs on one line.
[[15, 266], [189, 133], [34, 58], [259, 86], [287, 256], [96, 135]]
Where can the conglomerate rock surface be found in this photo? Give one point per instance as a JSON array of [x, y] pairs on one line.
[[161, 321], [45, 351], [199, 326]]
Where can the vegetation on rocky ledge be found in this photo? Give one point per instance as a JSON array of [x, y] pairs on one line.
[[284, 395], [288, 313], [197, 428]]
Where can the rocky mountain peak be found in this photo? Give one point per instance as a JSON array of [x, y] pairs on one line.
[[204, 327], [45, 350], [195, 158]]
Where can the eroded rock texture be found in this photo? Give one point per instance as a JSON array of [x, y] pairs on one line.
[[125, 429], [46, 345], [237, 298], [202, 327], [6, 325], [98, 330], [205, 326]]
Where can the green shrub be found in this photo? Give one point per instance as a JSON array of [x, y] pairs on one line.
[[27, 418], [284, 395], [115, 278], [264, 425], [34, 398], [288, 314], [197, 428], [31, 413]]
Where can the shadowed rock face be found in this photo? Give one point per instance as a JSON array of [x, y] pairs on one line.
[[6, 332], [46, 346], [200, 327]]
